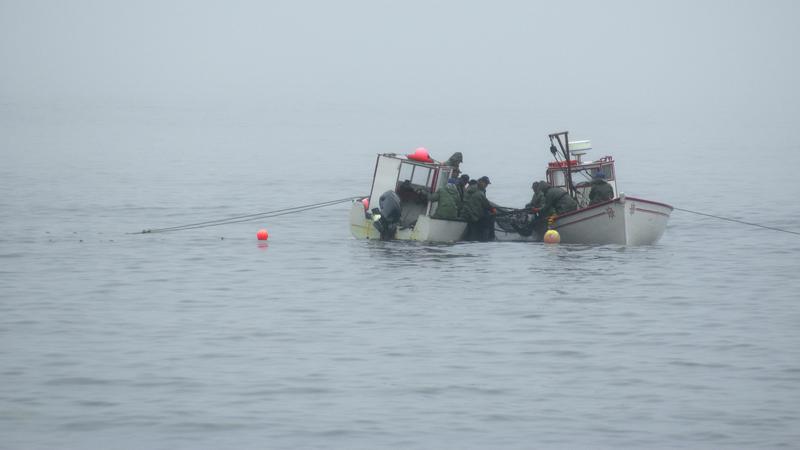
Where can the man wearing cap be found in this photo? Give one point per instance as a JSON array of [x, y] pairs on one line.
[[601, 191], [478, 212], [450, 199]]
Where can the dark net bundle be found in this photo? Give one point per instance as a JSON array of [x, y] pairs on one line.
[[514, 221]]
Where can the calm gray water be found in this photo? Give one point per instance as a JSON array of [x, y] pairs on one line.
[[209, 339]]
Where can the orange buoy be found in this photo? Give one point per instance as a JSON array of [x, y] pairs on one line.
[[552, 237], [262, 235], [421, 154], [365, 202]]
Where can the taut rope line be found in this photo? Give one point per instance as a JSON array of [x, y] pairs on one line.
[[738, 221], [247, 217]]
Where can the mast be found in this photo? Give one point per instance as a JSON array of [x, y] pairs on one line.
[[564, 146], [569, 165]]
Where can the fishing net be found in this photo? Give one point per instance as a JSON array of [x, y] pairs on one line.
[[518, 221]]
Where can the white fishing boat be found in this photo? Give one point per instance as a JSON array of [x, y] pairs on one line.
[[623, 220], [398, 207]]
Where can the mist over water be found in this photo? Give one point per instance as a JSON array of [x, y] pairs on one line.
[[115, 118]]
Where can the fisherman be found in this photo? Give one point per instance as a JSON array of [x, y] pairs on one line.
[[469, 188], [556, 201], [463, 182], [601, 191], [406, 192], [454, 161], [538, 196], [479, 213], [454, 176], [413, 202], [450, 200]]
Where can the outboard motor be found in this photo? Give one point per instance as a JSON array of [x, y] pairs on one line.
[[389, 215]]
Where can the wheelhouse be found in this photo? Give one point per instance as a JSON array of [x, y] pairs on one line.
[[581, 175], [407, 177], [576, 175]]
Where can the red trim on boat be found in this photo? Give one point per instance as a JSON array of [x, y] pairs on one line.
[[636, 199], [651, 211], [614, 200]]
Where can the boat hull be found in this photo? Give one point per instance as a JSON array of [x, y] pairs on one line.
[[426, 229], [623, 220]]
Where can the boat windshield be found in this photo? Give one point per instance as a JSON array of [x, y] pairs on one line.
[[411, 177], [582, 176], [417, 174], [557, 178]]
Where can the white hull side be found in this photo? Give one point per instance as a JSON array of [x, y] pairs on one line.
[[425, 230], [645, 221], [623, 221]]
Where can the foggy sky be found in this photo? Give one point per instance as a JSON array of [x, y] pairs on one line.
[[670, 55]]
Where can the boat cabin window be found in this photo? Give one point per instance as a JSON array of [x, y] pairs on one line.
[[580, 175], [444, 175], [607, 169], [420, 176], [406, 170], [582, 180], [557, 178], [412, 177]]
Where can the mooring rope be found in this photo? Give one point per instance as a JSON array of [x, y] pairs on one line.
[[248, 217], [737, 221]]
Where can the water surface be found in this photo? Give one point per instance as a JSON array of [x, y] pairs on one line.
[[208, 338]]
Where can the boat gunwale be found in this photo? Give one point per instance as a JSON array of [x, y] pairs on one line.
[[608, 202], [649, 201]]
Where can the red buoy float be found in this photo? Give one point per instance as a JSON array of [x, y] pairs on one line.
[[421, 154]]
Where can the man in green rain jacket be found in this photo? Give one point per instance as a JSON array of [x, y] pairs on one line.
[[478, 212], [601, 191], [556, 201], [538, 196], [449, 201]]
